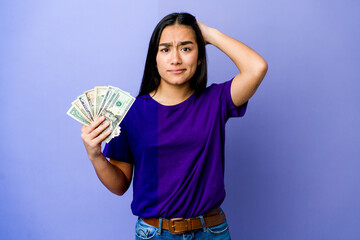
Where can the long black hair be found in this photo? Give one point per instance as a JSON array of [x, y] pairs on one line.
[[151, 77]]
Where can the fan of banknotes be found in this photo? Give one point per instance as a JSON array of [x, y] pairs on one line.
[[108, 101]]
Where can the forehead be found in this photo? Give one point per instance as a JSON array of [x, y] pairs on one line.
[[176, 33]]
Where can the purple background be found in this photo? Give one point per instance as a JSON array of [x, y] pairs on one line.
[[292, 163]]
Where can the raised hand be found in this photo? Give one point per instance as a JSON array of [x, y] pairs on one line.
[[252, 67], [205, 31]]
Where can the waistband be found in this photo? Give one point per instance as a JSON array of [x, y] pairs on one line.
[[182, 225]]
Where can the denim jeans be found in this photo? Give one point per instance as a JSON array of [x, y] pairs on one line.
[[144, 231]]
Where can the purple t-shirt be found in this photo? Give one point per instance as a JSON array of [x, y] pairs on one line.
[[177, 152]]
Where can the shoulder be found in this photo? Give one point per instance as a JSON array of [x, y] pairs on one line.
[[141, 102], [217, 89], [142, 106]]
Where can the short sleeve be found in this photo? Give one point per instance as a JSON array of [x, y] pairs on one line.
[[230, 109], [118, 148]]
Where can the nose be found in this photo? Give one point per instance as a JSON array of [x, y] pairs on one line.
[[175, 57]]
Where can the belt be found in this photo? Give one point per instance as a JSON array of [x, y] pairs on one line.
[[182, 225]]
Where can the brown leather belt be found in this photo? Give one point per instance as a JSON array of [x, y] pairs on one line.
[[182, 225]]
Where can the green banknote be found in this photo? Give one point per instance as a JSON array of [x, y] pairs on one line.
[[100, 94], [90, 97], [76, 114], [116, 108]]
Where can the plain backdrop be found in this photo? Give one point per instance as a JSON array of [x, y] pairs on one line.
[[292, 163]]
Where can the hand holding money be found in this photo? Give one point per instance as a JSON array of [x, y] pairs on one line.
[[110, 102], [94, 134]]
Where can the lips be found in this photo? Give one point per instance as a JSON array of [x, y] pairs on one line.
[[177, 71]]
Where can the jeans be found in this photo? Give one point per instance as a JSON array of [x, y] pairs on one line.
[[144, 231]]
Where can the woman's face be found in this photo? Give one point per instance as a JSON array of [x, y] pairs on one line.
[[177, 56]]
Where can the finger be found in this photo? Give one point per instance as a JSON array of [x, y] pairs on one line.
[[84, 134], [99, 130], [102, 136], [201, 25], [94, 124]]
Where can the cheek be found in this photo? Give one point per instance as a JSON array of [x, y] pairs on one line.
[[195, 59], [159, 64], [195, 62]]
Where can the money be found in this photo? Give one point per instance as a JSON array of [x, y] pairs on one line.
[[99, 96], [108, 101], [75, 114], [90, 97]]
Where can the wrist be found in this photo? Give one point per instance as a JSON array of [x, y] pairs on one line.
[[96, 156], [213, 36]]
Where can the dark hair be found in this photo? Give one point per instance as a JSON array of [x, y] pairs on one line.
[[151, 77]]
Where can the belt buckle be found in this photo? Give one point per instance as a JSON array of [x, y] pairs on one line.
[[172, 222]]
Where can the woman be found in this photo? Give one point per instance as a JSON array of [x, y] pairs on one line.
[[173, 135]]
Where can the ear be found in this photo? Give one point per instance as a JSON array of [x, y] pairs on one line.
[[199, 62]]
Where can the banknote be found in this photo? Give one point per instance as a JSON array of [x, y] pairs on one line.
[[111, 102], [75, 114], [90, 96], [116, 108], [76, 103], [99, 96], [85, 105]]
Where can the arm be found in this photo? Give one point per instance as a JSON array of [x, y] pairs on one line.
[[251, 65], [115, 175]]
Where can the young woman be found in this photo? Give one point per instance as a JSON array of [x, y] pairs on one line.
[[173, 135]]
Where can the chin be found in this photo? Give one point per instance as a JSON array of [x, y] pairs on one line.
[[181, 83], [178, 82]]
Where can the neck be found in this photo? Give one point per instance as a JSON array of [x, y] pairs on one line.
[[172, 95]]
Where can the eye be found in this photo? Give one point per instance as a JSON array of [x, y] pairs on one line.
[[185, 49], [164, 50]]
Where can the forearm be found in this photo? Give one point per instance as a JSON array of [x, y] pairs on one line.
[[245, 59], [112, 177]]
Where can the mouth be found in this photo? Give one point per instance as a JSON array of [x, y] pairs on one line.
[[177, 71]]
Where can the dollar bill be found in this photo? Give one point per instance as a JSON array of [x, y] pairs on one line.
[[75, 114], [76, 103], [90, 97], [116, 108], [99, 96], [85, 105], [109, 95]]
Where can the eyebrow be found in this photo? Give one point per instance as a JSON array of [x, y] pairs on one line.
[[181, 43]]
